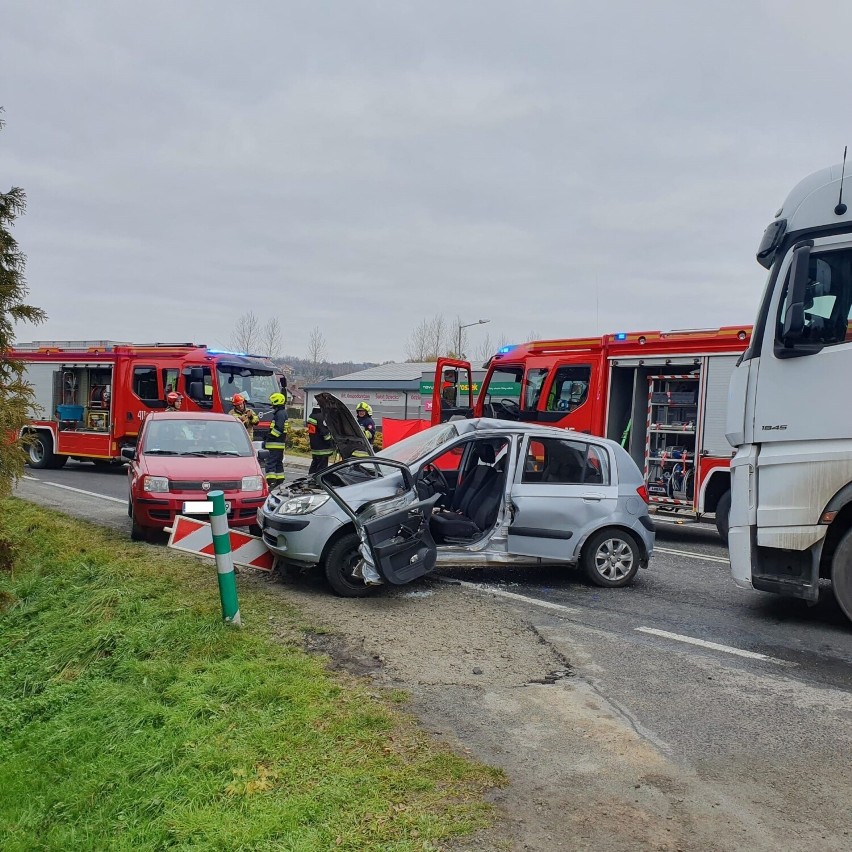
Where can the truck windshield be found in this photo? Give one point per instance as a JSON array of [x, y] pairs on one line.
[[255, 385]]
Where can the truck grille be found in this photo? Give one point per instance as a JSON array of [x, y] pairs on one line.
[[195, 484]]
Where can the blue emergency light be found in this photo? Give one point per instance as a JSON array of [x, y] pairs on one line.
[[503, 350], [622, 335]]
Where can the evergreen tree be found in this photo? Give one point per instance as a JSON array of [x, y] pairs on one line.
[[16, 396]]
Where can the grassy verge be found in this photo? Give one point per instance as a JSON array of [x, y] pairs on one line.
[[131, 718]]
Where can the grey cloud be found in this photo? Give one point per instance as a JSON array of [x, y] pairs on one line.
[[567, 167]]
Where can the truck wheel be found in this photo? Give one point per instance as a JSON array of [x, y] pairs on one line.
[[611, 558], [723, 516], [841, 574], [40, 452], [340, 561]]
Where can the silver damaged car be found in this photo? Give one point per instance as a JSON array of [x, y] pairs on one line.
[[466, 492]]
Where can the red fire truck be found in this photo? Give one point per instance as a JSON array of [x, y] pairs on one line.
[[662, 395], [93, 395]]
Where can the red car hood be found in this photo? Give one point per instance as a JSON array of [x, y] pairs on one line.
[[195, 468]]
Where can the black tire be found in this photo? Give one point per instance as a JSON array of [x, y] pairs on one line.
[[723, 516], [341, 558], [40, 451], [841, 574], [611, 558], [137, 532], [129, 508]]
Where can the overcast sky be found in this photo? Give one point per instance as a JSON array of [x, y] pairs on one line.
[[565, 168]]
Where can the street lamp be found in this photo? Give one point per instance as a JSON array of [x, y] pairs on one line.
[[467, 325]]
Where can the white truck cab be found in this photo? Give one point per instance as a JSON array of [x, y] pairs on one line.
[[790, 404]]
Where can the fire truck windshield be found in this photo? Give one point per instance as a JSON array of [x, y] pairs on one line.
[[255, 385]]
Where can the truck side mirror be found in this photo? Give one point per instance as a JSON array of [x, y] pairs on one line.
[[794, 306]]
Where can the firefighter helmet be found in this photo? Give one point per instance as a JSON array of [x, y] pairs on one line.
[[277, 399], [173, 398], [238, 399], [365, 407]]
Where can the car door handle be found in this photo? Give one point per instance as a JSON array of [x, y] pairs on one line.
[[595, 498]]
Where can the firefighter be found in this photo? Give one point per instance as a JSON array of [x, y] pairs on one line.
[[244, 414], [173, 401], [364, 413], [320, 441], [274, 442]]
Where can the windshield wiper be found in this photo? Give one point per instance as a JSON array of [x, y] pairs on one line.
[[190, 454], [216, 453], [159, 452]]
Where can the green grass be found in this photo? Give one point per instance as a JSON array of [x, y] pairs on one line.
[[132, 718]]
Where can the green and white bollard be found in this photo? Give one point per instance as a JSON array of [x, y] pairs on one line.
[[224, 562]]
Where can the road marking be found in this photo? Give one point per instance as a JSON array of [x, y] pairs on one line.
[[692, 555], [713, 646], [77, 490], [512, 596]]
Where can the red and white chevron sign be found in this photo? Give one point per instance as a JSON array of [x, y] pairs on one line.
[[193, 536]]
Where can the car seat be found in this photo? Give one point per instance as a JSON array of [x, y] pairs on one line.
[[476, 502]]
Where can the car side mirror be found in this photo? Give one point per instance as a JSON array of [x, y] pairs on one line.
[[262, 455], [794, 306], [128, 453]]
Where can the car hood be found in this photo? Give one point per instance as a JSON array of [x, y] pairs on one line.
[[195, 468], [347, 435]]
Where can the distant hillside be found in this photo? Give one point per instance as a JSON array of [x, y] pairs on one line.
[[303, 370]]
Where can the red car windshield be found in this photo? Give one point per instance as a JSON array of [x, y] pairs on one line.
[[177, 436]]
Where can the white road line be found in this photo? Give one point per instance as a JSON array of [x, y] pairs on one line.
[[692, 555], [512, 596], [32, 479], [713, 646], [77, 490]]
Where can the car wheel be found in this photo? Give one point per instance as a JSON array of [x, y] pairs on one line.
[[340, 561], [129, 508], [841, 574], [137, 532], [723, 516], [611, 558], [39, 452]]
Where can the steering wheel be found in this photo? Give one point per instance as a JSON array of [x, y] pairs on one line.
[[435, 479], [511, 407], [563, 405]]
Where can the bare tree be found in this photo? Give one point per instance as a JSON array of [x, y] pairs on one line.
[[271, 337], [532, 335], [438, 337], [418, 347], [485, 349], [430, 339], [246, 335], [316, 351]]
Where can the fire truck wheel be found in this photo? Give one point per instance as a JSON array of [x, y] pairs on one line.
[[340, 562], [841, 574], [723, 516], [40, 453], [611, 558]]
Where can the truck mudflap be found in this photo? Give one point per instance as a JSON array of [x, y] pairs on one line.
[[792, 573]]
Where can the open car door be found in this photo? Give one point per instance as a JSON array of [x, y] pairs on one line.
[[452, 393], [394, 528]]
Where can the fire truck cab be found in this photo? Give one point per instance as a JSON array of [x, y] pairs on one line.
[[93, 396], [662, 395]]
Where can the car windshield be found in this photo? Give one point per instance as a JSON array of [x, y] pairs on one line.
[[414, 447], [178, 436], [255, 385]]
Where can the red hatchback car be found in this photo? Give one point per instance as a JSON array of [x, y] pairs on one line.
[[182, 456]]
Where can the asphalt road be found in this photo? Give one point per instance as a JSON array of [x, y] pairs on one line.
[[749, 690]]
